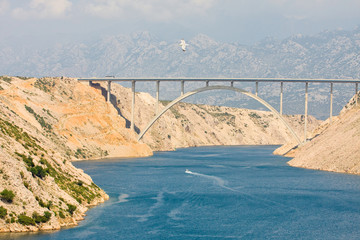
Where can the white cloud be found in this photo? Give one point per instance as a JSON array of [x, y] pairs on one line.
[[43, 9], [4, 6], [157, 10]]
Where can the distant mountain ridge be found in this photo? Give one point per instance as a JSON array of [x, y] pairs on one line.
[[330, 54]]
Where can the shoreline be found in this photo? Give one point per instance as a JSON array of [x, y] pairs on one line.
[[202, 146]]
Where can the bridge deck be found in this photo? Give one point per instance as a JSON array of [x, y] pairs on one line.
[[293, 80]]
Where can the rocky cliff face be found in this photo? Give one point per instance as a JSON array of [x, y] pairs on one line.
[[46, 123], [335, 146]]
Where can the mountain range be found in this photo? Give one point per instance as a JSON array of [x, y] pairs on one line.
[[329, 54]]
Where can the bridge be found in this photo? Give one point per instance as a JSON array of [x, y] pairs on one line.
[[225, 84]]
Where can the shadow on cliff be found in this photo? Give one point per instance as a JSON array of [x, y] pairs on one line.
[[114, 102]]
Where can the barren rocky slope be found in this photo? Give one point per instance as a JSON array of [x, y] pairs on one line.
[[336, 146], [46, 123], [39, 187]]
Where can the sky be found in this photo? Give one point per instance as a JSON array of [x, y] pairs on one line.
[[48, 22]]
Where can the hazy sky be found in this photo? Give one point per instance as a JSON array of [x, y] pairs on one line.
[[243, 21]]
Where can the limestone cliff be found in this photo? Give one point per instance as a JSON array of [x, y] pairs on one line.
[[335, 146]]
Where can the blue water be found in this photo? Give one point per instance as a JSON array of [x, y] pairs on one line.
[[230, 193]]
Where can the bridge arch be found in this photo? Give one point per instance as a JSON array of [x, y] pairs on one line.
[[209, 88]]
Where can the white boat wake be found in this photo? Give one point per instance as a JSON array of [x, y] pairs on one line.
[[222, 183], [123, 198], [218, 181]]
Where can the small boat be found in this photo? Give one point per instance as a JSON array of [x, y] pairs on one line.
[[188, 171]]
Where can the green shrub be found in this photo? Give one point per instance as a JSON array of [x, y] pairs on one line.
[[71, 208], [38, 171], [47, 215], [11, 130], [37, 218], [61, 214], [80, 153], [42, 203], [254, 115], [6, 79], [28, 160], [25, 220], [3, 212], [7, 195], [41, 219], [44, 84], [39, 118]]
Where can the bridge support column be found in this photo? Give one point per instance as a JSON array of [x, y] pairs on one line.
[[257, 88], [356, 91], [182, 87], [331, 101], [132, 127], [306, 111], [232, 84], [281, 98], [108, 91], [157, 96], [207, 83]]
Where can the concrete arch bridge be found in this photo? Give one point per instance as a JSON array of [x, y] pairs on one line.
[[226, 84]]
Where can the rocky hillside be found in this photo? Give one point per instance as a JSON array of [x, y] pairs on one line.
[[39, 187], [45, 123], [335, 147]]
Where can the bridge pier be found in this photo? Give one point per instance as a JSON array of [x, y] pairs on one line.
[[132, 127], [182, 87], [281, 98], [331, 101], [157, 96], [232, 84], [108, 91], [306, 111], [207, 83], [356, 91], [257, 88]]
